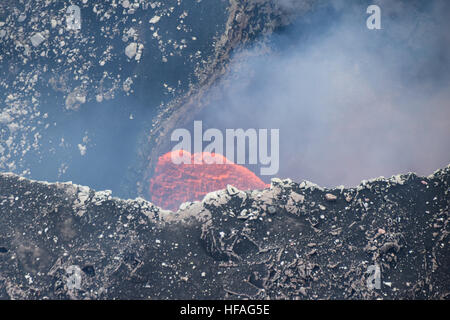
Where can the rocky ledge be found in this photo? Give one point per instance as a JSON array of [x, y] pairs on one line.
[[290, 241]]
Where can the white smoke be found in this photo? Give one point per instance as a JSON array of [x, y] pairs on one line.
[[350, 103]]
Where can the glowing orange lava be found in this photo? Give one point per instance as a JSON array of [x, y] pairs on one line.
[[173, 184]]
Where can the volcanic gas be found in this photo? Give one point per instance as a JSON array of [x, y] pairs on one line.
[[173, 184]]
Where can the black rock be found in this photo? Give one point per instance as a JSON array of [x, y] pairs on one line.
[[64, 241]]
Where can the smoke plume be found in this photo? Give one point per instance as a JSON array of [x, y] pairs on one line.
[[351, 103]]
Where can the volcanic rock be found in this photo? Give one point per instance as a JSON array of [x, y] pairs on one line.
[[330, 197], [132, 249]]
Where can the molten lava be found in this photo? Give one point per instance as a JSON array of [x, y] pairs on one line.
[[173, 184]]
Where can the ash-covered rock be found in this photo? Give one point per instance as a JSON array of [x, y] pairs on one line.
[[290, 241]]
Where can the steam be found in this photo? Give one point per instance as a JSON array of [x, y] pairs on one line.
[[350, 103]]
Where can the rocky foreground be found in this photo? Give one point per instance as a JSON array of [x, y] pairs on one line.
[[290, 241]]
